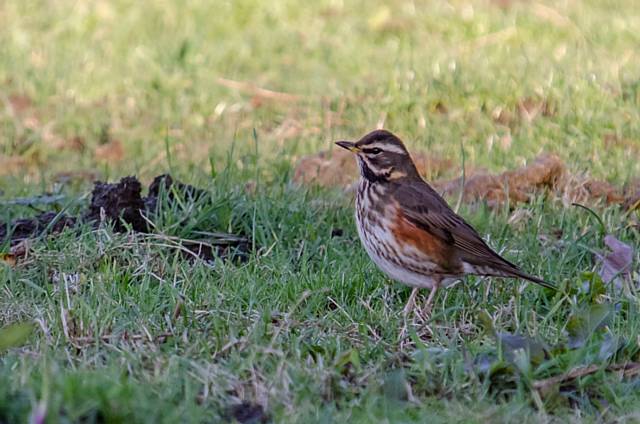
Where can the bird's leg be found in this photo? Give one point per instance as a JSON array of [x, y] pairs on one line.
[[411, 303], [408, 308], [426, 311]]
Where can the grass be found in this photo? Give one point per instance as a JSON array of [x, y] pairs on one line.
[[307, 327]]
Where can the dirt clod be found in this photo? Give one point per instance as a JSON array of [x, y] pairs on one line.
[[121, 205], [165, 182], [25, 228], [118, 203]]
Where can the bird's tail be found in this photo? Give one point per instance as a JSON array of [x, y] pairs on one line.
[[532, 278]]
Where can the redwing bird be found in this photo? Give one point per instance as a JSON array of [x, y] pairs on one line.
[[409, 230]]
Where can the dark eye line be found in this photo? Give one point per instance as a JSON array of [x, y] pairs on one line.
[[373, 151]]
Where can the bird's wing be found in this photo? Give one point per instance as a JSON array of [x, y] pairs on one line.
[[428, 211]]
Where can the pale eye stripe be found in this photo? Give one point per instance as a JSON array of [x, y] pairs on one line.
[[385, 147]]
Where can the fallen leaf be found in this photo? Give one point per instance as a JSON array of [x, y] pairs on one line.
[[616, 263]]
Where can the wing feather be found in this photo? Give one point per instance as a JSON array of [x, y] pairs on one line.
[[427, 210]]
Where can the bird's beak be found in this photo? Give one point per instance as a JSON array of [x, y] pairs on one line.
[[349, 146]]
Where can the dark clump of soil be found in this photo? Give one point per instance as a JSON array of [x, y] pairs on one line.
[[166, 181], [50, 222], [246, 413], [122, 206], [119, 204]]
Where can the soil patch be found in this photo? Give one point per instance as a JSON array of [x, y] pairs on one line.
[[122, 206]]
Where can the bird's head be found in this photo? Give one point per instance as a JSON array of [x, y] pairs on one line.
[[382, 157]]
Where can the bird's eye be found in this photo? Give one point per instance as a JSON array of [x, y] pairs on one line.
[[376, 151]]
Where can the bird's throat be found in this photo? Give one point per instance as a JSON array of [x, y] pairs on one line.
[[368, 174]]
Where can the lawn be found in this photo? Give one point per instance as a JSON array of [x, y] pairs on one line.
[[228, 96]]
